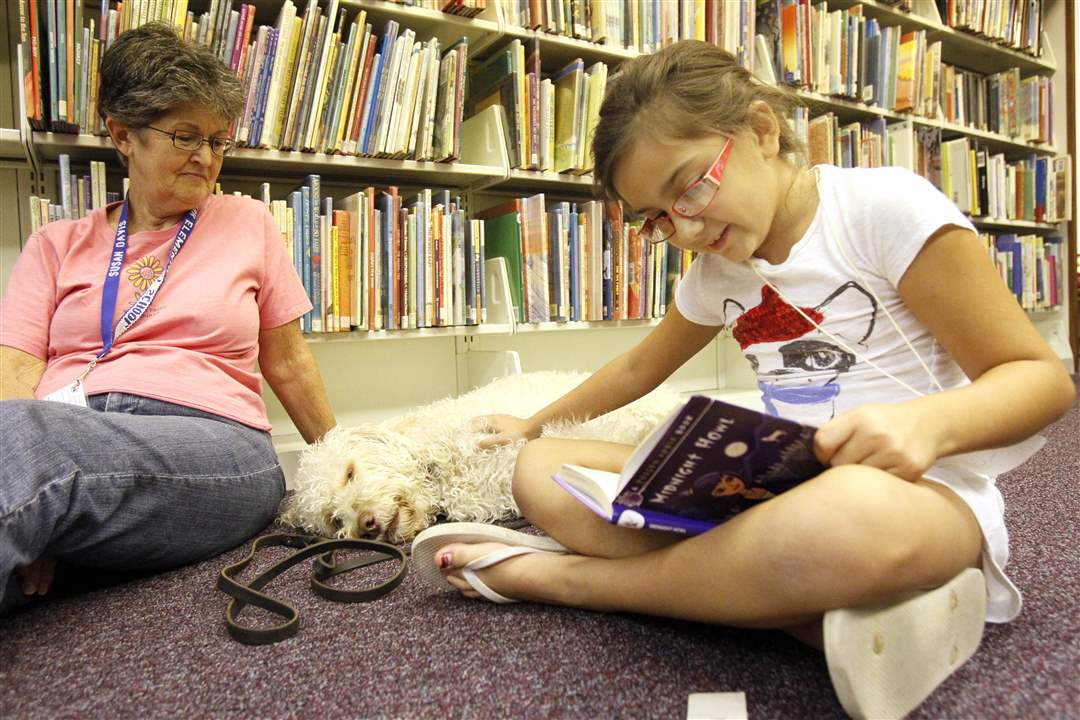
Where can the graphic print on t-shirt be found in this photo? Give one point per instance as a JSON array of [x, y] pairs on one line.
[[142, 273], [795, 363]]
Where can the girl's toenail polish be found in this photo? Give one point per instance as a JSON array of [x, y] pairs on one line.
[[444, 560]]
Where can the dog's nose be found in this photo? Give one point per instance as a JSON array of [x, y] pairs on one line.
[[370, 524]]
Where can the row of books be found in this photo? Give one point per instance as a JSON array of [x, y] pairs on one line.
[[842, 53], [580, 261], [548, 119], [375, 260], [642, 25], [60, 56], [981, 183], [315, 82], [1002, 103], [1033, 268], [1014, 23], [348, 90], [1037, 189]]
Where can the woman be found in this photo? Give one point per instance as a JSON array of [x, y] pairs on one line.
[[145, 320]]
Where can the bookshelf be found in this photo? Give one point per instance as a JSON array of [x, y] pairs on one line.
[[12, 146], [376, 374]]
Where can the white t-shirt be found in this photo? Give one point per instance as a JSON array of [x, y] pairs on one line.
[[879, 219], [882, 217]]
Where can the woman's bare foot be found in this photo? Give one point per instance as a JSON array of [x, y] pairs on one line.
[[37, 577]]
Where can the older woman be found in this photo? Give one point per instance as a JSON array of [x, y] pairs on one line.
[[144, 322]]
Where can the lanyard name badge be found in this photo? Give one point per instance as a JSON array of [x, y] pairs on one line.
[[75, 393]]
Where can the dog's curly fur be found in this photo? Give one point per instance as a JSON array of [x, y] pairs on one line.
[[391, 480]]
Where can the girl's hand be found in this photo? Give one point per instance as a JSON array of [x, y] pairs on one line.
[[503, 429], [894, 438]]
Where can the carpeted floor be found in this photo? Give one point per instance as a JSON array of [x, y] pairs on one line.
[[157, 646]]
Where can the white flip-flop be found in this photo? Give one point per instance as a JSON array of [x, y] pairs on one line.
[[428, 543], [884, 660]]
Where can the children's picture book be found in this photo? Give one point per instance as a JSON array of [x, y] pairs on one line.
[[705, 463]]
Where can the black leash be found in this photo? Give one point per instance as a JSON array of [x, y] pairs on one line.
[[323, 568]]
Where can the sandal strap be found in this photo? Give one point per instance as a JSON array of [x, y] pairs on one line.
[[494, 558]]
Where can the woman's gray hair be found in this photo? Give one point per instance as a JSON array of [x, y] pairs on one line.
[[151, 70]]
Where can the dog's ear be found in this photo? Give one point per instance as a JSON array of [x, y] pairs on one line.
[[349, 473]]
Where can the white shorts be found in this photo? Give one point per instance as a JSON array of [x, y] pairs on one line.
[[1003, 599]]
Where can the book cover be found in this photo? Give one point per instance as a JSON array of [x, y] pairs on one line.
[[905, 84], [553, 226], [575, 260], [568, 88], [538, 300], [471, 286], [314, 183], [707, 462], [461, 50], [503, 239], [359, 96]]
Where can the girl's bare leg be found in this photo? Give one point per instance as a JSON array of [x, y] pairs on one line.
[[852, 536]]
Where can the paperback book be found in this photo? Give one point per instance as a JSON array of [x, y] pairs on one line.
[[704, 464]]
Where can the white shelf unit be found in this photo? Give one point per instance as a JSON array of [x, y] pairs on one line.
[[374, 375], [12, 145]]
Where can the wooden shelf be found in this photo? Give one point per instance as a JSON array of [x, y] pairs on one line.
[[530, 180], [1007, 224], [415, 334], [992, 141], [585, 325], [851, 109], [1045, 313], [558, 50], [480, 31], [291, 163], [474, 330], [957, 46]]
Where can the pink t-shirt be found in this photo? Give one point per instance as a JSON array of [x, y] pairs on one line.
[[196, 345]]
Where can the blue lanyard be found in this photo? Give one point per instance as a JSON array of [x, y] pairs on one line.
[[112, 280]]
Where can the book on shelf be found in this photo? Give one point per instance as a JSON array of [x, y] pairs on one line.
[[501, 80], [705, 463], [503, 231], [569, 90]]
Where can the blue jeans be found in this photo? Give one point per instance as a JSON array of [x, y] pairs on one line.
[[130, 483]]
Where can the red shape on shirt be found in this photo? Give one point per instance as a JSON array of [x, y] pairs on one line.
[[773, 321]]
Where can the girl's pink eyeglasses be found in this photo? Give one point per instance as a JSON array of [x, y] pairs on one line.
[[692, 202]]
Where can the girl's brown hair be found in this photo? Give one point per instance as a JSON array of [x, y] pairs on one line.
[[688, 90]]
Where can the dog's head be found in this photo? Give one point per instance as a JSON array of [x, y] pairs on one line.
[[360, 482]]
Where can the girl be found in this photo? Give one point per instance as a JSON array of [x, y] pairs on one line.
[[863, 298]]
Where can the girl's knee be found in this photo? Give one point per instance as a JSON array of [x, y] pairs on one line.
[[532, 473], [875, 529]]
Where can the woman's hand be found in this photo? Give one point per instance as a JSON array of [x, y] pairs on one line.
[[503, 429], [894, 438]]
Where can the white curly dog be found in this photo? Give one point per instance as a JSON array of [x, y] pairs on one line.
[[392, 479]]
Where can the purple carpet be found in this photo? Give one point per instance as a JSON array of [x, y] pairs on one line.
[[157, 646]]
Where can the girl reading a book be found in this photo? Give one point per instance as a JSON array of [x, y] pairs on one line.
[[864, 300]]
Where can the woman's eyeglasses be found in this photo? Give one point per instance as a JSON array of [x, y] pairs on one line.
[[692, 202], [191, 142]]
